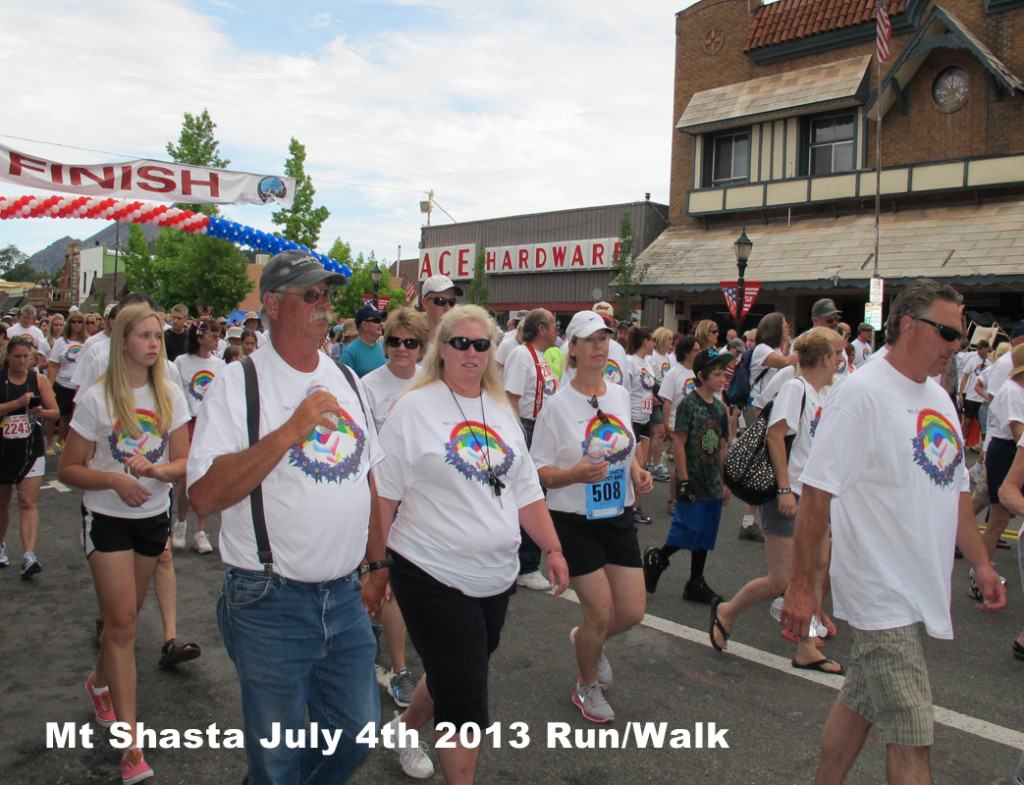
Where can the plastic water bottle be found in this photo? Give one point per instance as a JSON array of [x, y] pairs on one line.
[[317, 387], [596, 451], [818, 630]]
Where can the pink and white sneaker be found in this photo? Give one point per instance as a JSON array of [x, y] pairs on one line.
[[101, 704], [134, 767]]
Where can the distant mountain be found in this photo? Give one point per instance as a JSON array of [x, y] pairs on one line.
[[52, 257]]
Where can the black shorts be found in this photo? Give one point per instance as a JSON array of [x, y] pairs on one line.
[[971, 409], [107, 534], [454, 635], [588, 545], [641, 430], [65, 401], [998, 459]]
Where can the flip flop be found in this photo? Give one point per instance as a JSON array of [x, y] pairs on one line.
[[819, 666], [1018, 651], [1001, 543], [716, 624], [175, 652], [818, 642]]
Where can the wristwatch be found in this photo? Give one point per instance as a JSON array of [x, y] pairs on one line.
[[784, 491], [376, 565]]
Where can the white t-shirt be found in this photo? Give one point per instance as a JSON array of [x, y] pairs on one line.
[[662, 364], [973, 365], [66, 355], [505, 348], [1007, 406], [787, 407], [891, 453], [33, 332], [520, 376], [677, 384], [450, 522], [317, 498], [993, 378], [95, 338], [614, 370], [770, 390], [96, 346], [761, 374], [565, 430], [195, 376], [861, 352], [382, 387], [641, 388], [93, 422]]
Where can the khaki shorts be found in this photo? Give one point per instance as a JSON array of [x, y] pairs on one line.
[[887, 684]]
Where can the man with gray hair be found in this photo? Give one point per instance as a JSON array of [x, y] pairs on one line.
[[26, 325], [892, 561]]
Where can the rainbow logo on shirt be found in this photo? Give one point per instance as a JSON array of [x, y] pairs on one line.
[[71, 355], [937, 447], [473, 448], [689, 386], [814, 421], [151, 444], [198, 384], [332, 456], [646, 380], [612, 372], [665, 368], [614, 436]]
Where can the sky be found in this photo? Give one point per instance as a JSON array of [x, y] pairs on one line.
[[500, 108]]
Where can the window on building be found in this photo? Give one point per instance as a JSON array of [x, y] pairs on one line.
[[727, 158], [830, 144]]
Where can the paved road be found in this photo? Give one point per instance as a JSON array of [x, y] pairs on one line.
[[665, 672]]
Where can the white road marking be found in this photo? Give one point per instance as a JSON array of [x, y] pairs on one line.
[[948, 717]]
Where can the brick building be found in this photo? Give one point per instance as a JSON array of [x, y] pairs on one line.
[[776, 108]]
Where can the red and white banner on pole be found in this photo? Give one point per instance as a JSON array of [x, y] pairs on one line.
[[161, 181], [750, 291]]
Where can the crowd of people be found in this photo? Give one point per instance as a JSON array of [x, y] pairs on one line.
[[398, 475]]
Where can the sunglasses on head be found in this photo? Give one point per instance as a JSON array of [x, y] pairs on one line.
[[409, 343], [460, 343], [441, 302], [21, 340], [312, 296], [946, 333]]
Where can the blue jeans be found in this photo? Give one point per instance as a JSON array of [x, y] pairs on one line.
[[300, 646]]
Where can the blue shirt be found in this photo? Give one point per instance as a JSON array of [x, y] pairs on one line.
[[362, 358]]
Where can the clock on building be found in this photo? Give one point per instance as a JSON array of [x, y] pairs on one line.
[[950, 89]]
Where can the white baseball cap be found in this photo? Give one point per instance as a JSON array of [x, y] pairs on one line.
[[584, 324], [439, 283]]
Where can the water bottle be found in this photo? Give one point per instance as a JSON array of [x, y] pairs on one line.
[[818, 630], [316, 387], [596, 451]]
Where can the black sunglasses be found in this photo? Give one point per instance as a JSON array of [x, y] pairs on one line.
[[592, 400], [946, 333], [441, 302], [21, 340], [371, 321], [75, 321], [460, 343], [409, 343], [312, 296]]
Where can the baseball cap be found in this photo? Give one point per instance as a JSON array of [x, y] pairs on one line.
[[603, 309], [369, 312], [584, 324], [824, 307], [865, 326], [1018, 330], [710, 358], [439, 283], [234, 332], [251, 315], [296, 268]]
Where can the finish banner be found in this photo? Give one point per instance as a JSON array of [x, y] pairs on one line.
[[161, 181]]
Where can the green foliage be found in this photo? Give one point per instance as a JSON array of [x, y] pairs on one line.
[[351, 298], [14, 266], [198, 147], [138, 263], [341, 252], [628, 275], [477, 293], [199, 271], [301, 223], [11, 257]]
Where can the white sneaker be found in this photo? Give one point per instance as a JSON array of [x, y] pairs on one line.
[[202, 543], [4, 560], [533, 580], [414, 760], [589, 699], [604, 668], [178, 534]]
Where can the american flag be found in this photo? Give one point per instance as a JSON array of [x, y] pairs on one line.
[[883, 31], [730, 297], [410, 292]]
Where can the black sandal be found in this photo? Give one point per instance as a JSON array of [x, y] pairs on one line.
[[175, 652]]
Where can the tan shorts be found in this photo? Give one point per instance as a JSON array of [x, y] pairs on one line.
[[887, 684]]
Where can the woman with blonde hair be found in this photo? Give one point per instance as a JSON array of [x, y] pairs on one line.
[[61, 366], [457, 462], [707, 334], [794, 418], [662, 360], [128, 444]]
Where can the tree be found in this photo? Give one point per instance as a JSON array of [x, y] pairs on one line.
[[627, 275], [198, 147], [199, 271], [477, 293], [341, 252], [11, 258], [138, 263], [351, 298], [301, 221]]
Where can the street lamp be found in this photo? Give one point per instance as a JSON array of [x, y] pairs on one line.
[[742, 247], [375, 277]]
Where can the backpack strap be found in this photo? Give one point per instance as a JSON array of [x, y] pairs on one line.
[[252, 421]]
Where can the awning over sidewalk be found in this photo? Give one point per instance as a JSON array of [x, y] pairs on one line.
[[977, 245]]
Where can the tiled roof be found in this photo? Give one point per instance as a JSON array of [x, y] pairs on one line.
[[789, 20], [967, 242], [818, 86]]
